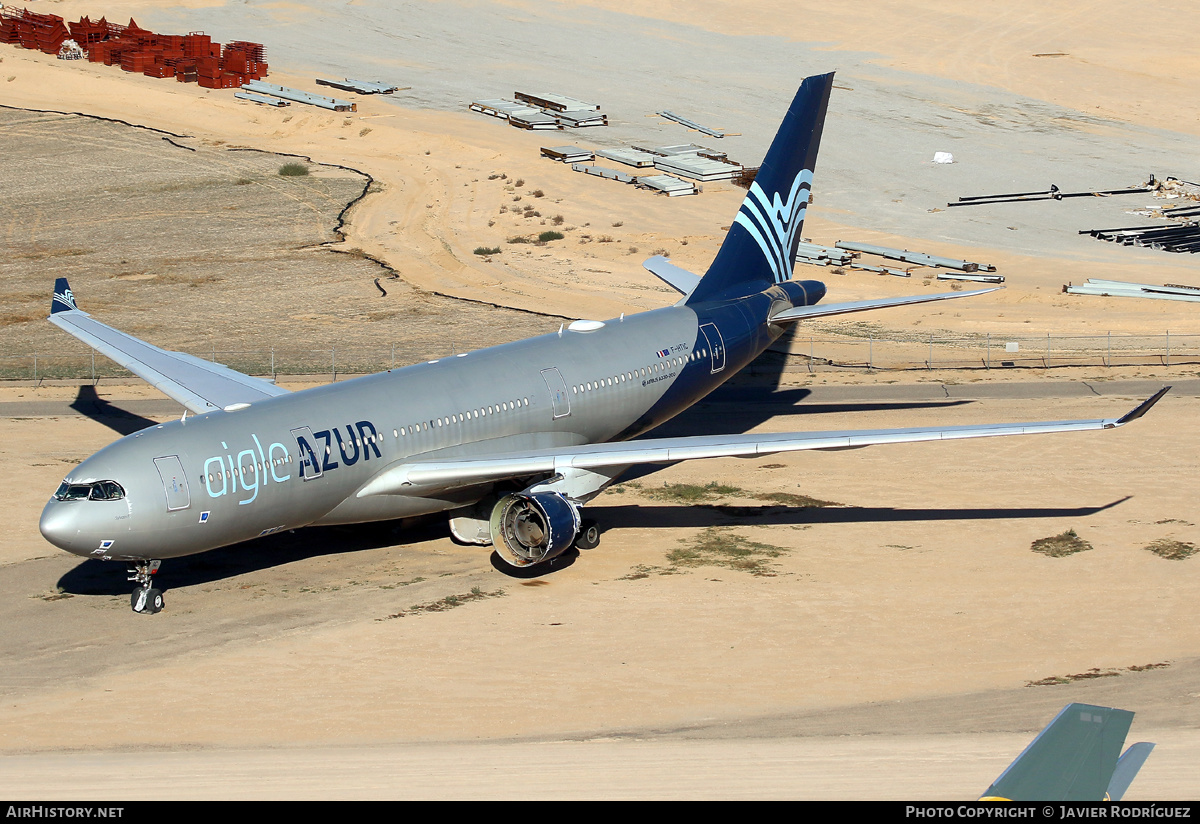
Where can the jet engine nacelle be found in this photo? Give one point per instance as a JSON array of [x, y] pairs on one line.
[[528, 529]]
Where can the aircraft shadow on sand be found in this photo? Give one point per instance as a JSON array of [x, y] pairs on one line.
[[93, 577], [91, 405], [704, 515]]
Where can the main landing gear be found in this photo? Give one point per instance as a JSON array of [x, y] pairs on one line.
[[145, 599], [589, 535]]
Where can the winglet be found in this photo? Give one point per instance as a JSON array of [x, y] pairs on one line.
[[64, 299], [1143, 408]]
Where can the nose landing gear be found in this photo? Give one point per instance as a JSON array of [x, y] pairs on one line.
[[145, 599]]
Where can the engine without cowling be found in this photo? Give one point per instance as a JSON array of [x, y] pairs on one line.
[[528, 529]]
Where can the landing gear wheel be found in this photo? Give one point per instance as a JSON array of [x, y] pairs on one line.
[[589, 535], [145, 599]]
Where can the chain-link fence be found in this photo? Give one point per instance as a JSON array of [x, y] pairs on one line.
[[1047, 351], [803, 354]]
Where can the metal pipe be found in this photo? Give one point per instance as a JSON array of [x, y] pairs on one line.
[[684, 122]]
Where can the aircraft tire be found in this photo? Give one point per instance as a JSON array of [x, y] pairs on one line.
[[589, 535], [147, 602]]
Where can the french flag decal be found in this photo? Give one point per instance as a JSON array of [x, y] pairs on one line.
[[662, 353]]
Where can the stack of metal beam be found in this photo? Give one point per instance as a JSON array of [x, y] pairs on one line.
[[359, 86], [630, 157], [605, 172], [916, 258], [1179, 238], [261, 98], [567, 154], [298, 96], [503, 109], [668, 185], [542, 111], [1117, 288], [822, 255], [882, 270]]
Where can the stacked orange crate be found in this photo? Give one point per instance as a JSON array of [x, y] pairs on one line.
[[208, 72], [254, 51], [191, 57], [196, 44], [44, 32], [8, 26]]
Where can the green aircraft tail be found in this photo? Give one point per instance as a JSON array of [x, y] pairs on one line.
[[1074, 759]]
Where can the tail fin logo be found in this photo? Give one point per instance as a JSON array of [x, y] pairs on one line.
[[773, 223], [66, 298]]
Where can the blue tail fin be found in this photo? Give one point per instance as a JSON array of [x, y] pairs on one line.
[[760, 248]]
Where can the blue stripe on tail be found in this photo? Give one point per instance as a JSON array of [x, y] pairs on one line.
[[760, 248]]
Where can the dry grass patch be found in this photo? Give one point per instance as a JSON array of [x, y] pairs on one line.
[[443, 604], [1094, 672], [794, 500], [722, 547], [1171, 549], [694, 493], [702, 493], [1061, 545]]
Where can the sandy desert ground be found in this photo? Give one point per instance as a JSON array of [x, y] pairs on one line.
[[887, 645]]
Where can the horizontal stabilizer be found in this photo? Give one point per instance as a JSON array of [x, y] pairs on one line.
[[420, 477], [825, 309], [1127, 769], [681, 280]]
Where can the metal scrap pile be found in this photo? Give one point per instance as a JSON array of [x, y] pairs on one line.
[[1181, 238], [190, 58], [1181, 235]]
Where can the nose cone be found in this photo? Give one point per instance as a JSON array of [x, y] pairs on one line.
[[60, 526]]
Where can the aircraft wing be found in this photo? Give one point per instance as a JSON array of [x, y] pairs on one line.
[[417, 477], [199, 385], [823, 309]]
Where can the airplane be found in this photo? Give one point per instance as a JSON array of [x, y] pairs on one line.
[[511, 441], [1077, 757]]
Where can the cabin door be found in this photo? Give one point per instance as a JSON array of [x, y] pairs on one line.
[[309, 453], [560, 400], [716, 346], [170, 472]]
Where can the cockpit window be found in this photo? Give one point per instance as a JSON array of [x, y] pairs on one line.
[[106, 491], [98, 491]]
